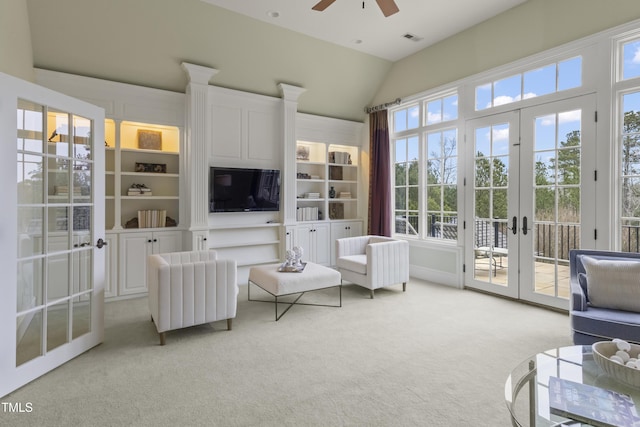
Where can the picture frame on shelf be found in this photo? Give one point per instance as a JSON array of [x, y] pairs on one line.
[[336, 210], [302, 152], [335, 173], [149, 139]]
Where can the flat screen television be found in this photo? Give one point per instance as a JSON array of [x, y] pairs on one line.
[[243, 190]]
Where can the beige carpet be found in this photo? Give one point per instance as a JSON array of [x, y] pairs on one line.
[[433, 356]]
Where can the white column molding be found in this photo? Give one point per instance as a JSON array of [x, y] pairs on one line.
[[290, 95], [195, 150]]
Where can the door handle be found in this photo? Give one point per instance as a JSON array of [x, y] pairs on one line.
[[514, 227], [524, 226], [100, 243]]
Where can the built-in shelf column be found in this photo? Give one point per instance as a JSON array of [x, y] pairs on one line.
[[290, 95], [196, 152]]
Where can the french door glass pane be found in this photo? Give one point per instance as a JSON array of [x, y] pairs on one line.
[[57, 325], [557, 169], [29, 336], [81, 315]]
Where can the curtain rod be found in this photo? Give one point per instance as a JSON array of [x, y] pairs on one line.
[[382, 106]]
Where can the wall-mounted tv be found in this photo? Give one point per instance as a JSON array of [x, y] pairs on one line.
[[243, 190]]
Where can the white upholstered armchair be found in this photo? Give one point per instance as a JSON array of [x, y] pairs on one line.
[[373, 261], [190, 288]]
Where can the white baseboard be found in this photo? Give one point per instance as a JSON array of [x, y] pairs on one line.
[[435, 276]]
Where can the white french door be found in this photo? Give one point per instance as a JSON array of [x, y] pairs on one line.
[[530, 169], [51, 226]]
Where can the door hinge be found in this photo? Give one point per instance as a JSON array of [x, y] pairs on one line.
[[595, 175], [464, 225], [464, 181], [464, 268], [595, 234], [596, 117]]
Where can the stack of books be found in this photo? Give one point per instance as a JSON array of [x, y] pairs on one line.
[[139, 190], [312, 195], [339, 157], [307, 214], [152, 218], [345, 195], [590, 404]]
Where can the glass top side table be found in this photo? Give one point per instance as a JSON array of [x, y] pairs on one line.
[[527, 387]]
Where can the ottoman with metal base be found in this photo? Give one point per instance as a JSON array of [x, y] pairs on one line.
[[314, 277]]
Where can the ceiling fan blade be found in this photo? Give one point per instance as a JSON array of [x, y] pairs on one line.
[[388, 7], [322, 5]]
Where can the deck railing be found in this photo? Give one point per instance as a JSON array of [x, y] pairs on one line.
[[494, 233]]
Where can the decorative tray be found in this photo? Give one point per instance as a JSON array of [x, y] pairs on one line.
[[292, 269]]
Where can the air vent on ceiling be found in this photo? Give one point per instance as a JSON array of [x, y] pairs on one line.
[[412, 37]]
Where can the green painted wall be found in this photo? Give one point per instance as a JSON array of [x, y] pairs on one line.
[[16, 57], [530, 28]]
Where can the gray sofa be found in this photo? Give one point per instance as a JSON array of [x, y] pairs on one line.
[[591, 323]]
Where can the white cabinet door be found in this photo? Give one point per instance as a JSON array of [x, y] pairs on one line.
[[314, 239], [303, 239], [134, 249], [321, 238], [166, 241]]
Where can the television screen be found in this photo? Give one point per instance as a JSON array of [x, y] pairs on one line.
[[243, 190]]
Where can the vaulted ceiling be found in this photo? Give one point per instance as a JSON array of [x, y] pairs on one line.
[[360, 24], [143, 42]]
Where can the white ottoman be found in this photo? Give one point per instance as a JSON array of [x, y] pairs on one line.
[[278, 284]]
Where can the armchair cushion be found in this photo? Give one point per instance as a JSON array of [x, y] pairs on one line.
[[357, 263], [613, 284]]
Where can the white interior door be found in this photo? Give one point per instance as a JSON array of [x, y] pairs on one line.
[[53, 220], [530, 170]]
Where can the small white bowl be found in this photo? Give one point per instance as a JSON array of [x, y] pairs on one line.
[[603, 350]]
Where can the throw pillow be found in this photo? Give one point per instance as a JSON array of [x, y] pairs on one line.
[[613, 284]]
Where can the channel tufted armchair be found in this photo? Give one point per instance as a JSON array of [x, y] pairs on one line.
[[190, 288], [373, 261]]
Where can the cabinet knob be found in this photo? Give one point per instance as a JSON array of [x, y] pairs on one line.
[[155, 240], [149, 241], [204, 238]]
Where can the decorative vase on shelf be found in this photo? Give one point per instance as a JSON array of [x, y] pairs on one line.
[[332, 193]]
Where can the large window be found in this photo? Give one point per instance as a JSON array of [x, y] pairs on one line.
[[545, 80], [628, 89], [630, 173], [425, 136], [426, 168]]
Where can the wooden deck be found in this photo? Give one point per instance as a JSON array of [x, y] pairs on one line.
[[545, 274]]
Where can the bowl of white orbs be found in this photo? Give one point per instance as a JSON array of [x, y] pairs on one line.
[[619, 359]]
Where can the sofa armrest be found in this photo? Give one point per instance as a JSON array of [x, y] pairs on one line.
[[578, 299], [388, 262]]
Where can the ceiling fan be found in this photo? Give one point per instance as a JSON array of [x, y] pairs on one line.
[[388, 7]]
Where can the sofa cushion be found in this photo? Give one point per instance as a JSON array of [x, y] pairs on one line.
[[355, 263], [613, 284], [603, 324]]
